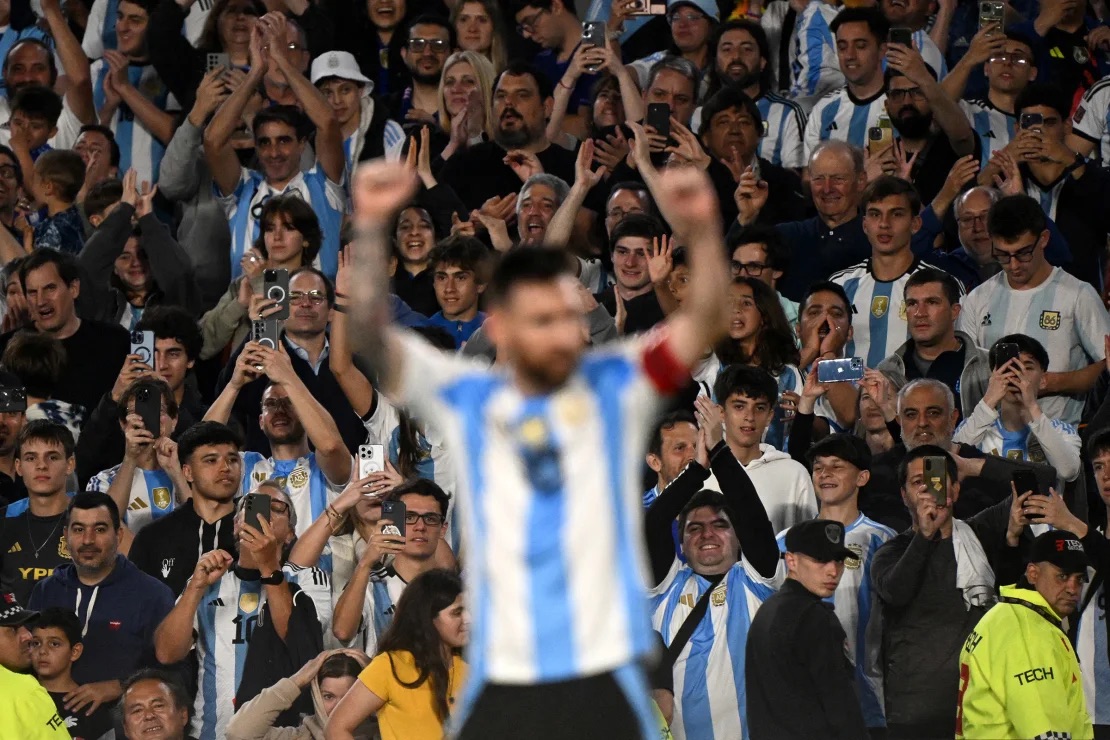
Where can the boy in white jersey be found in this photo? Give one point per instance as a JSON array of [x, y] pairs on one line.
[[530, 432], [1009, 422], [1033, 298]]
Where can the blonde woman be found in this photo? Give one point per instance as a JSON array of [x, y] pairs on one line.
[[465, 93], [478, 27]]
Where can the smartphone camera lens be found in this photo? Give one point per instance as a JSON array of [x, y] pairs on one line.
[[276, 293]]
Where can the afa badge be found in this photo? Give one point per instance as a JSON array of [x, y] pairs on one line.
[[299, 477], [854, 563], [717, 598], [879, 306], [1050, 320], [63, 548], [161, 498], [902, 311]]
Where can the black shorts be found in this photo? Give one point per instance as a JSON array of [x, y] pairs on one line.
[[593, 708]]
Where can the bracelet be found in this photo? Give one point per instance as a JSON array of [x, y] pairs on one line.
[[566, 87]]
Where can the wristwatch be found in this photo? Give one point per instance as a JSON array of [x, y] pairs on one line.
[[278, 576]]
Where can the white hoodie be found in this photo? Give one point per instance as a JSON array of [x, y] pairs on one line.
[[784, 486]]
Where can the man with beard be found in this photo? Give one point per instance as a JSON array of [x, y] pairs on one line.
[[27, 709], [118, 605], [521, 105], [914, 102], [12, 418], [742, 61], [430, 40]]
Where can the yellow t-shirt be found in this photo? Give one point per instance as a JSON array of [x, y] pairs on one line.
[[26, 711], [408, 714]]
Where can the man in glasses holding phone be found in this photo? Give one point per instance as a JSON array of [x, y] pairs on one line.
[[1032, 297]]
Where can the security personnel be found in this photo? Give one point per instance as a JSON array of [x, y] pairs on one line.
[[1019, 677], [800, 681]]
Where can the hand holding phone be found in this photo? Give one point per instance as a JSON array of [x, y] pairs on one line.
[[840, 371], [257, 507], [148, 405], [935, 470], [142, 346], [275, 286]]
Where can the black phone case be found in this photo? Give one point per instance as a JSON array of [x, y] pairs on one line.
[[395, 511], [258, 507], [148, 405]]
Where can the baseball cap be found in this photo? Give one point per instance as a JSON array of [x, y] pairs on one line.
[[1062, 549], [339, 64], [12, 614], [709, 7], [848, 447], [820, 539]]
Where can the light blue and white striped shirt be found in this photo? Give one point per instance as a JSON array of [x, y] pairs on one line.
[[995, 127], [151, 495], [842, 117], [1091, 119], [1091, 649], [814, 68], [785, 122]]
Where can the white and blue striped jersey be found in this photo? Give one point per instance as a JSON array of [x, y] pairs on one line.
[[995, 127], [785, 122], [151, 495], [1091, 649], [1063, 313], [377, 611], [856, 607], [1045, 441], [1091, 119], [842, 117], [930, 52], [1048, 197], [879, 325], [393, 136], [548, 488], [303, 479], [709, 688], [100, 31], [814, 68], [225, 621], [242, 207]]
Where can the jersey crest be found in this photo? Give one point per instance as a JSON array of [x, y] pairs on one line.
[[1050, 320], [879, 306]]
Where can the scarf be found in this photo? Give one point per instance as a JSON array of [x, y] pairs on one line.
[[974, 575]]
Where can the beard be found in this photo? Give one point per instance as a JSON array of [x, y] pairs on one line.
[[425, 79], [912, 124], [746, 79], [513, 139]]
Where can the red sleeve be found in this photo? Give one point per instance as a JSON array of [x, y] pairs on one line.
[[666, 372]]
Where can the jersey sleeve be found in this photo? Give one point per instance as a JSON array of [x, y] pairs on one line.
[[427, 370], [811, 136], [1089, 120], [92, 42], [1092, 322], [316, 584], [793, 129], [100, 482], [381, 422]]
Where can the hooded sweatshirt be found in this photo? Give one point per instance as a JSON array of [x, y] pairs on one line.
[[118, 617], [784, 487]]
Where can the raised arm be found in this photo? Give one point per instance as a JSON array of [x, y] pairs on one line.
[[946, 112], [561, 227], [157, 121], [174, 636], [355, 386], [245, 370], [217, 136], [75, 64]]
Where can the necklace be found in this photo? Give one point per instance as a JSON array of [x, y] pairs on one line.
[[45, 542]]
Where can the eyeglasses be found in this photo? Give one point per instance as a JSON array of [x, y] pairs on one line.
[[315, 297], [980, 218], [751, 269], [914, 92], [528, 25], [1016, 59], [273, 404], [279, 507], [417, 46], [431, 519], [1025, 254], [7, 172]]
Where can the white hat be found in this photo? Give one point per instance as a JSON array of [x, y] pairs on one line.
[[339, 64]]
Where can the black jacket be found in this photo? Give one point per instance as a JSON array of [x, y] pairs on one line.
[[168, 548], [799, 680]]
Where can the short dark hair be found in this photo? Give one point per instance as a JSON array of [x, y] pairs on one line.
[[876, 22], [727, 98], [38, 102], [745, 380], [33, 41], [423, 487], [41, 430], [519, 68], [704, 497], [64, 169], [825, 286], [926, 451], [1025, 344], [888, 186], [526, 265], [428, 19], [60, 618], [89, 500], [753, 29], [173, 322], [329, 286], [519, 5], [102, 195], [1015, 215], [301, 217], [107, 133], [463, 252], [38, 359], [287, 114], [436, 337], [778, 254], [147, 5], [173, 686], [7, 152], [638, 225], [926, 275], [205, 433], [1098, 444], [156, 385], [666, 423], [1012, 34], [636, 187], [1044, 94]]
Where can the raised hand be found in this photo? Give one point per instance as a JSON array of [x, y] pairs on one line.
[[523, 164], [660, 260], [379, 190], [686, 199], [750, 196]]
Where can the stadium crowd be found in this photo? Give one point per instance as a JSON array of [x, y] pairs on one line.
[[695, 369]]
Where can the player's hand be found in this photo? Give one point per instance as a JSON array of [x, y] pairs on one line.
[[687, 201], [379, 190]]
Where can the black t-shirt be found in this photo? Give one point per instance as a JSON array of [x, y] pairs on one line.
[[1071, 64], [11, 489], [418, 290], [168, 548], [80, 726], [480, 173], [30, 548], [643, 311]]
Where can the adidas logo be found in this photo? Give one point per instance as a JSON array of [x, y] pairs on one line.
[[986, 321], [137, 505], [216, 602], [988, 135], [832, 126], [15, 548]]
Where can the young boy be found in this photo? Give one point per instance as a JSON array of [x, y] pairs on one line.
[[747, 396], [1008, 421], [458, 266], [58, 177], [55, 647], [33, 123]]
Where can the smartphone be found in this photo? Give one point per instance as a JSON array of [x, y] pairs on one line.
[[1031, 120], [148, 405], [991, 11], [217, 60], [275, 286], [1005, 352], [840, 371], [257, 507], [936, 478], [1025, 481], [394, 511], [265, 332], [659, 118], [371, 459], [879, 138], [903, 36], [650, 7], [142, 344]]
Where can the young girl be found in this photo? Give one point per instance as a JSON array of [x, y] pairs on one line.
[[479, 29]]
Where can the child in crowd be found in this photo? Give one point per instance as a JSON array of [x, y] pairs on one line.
[[55, 647], [58, 177]]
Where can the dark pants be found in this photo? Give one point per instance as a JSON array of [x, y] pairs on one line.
[[580, 709]]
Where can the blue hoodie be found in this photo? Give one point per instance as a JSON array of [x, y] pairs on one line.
[[118, 617]]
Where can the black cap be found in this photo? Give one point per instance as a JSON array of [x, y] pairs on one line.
[[1062, 549], [820, 539], [12, 614], [848, 447]]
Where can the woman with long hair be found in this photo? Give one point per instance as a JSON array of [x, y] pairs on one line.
[[478, 28], [760, 335], [413, 682], [328, 676], [465, 94]]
